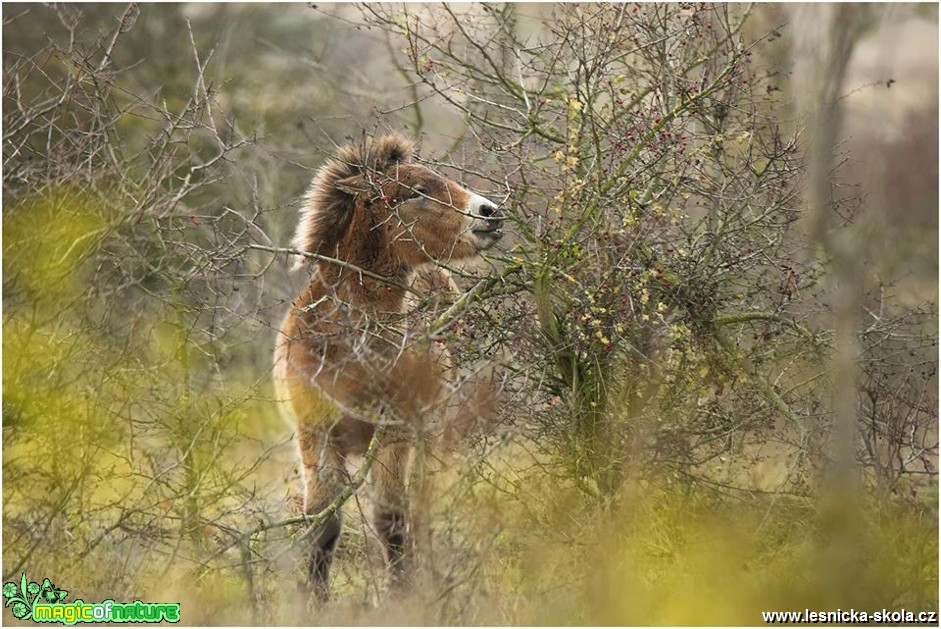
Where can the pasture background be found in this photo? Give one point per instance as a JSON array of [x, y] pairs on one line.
[[714, 334]]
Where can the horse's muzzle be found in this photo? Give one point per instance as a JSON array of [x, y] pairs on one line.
[[489, 230], [488, 222]]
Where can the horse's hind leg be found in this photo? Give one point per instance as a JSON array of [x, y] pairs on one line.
[[391, 506], [324, 475]]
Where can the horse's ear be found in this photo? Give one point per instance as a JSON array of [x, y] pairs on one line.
[[392, 149], [351, 185]]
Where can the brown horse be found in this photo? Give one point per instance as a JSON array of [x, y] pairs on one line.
[[344, 365]]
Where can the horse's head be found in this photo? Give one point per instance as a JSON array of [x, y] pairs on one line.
[[430, 216], [412, 214]]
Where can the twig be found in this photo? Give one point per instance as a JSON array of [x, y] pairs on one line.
[[341, 263], [744, 317]]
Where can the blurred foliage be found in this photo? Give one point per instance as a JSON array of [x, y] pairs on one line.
[[66, 229], [678, 556]]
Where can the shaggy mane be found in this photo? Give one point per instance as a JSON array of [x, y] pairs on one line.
[[327, 207]]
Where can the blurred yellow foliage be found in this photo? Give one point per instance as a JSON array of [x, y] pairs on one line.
[[672, 555], [46, 238]]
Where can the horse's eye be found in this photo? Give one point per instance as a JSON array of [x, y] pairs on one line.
[[419, 191]]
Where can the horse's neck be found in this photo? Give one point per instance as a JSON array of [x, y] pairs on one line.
[[374, 297]]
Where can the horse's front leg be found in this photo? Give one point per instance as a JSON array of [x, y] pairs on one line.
[[324, 475], [391, 510]]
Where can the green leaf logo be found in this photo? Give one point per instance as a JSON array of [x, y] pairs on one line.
[[22, 596], [21, 611], [50, 594]]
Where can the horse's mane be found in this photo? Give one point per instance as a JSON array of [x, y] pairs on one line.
[[328, 204]]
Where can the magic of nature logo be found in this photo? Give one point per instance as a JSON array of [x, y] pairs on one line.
[[44, 602]]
